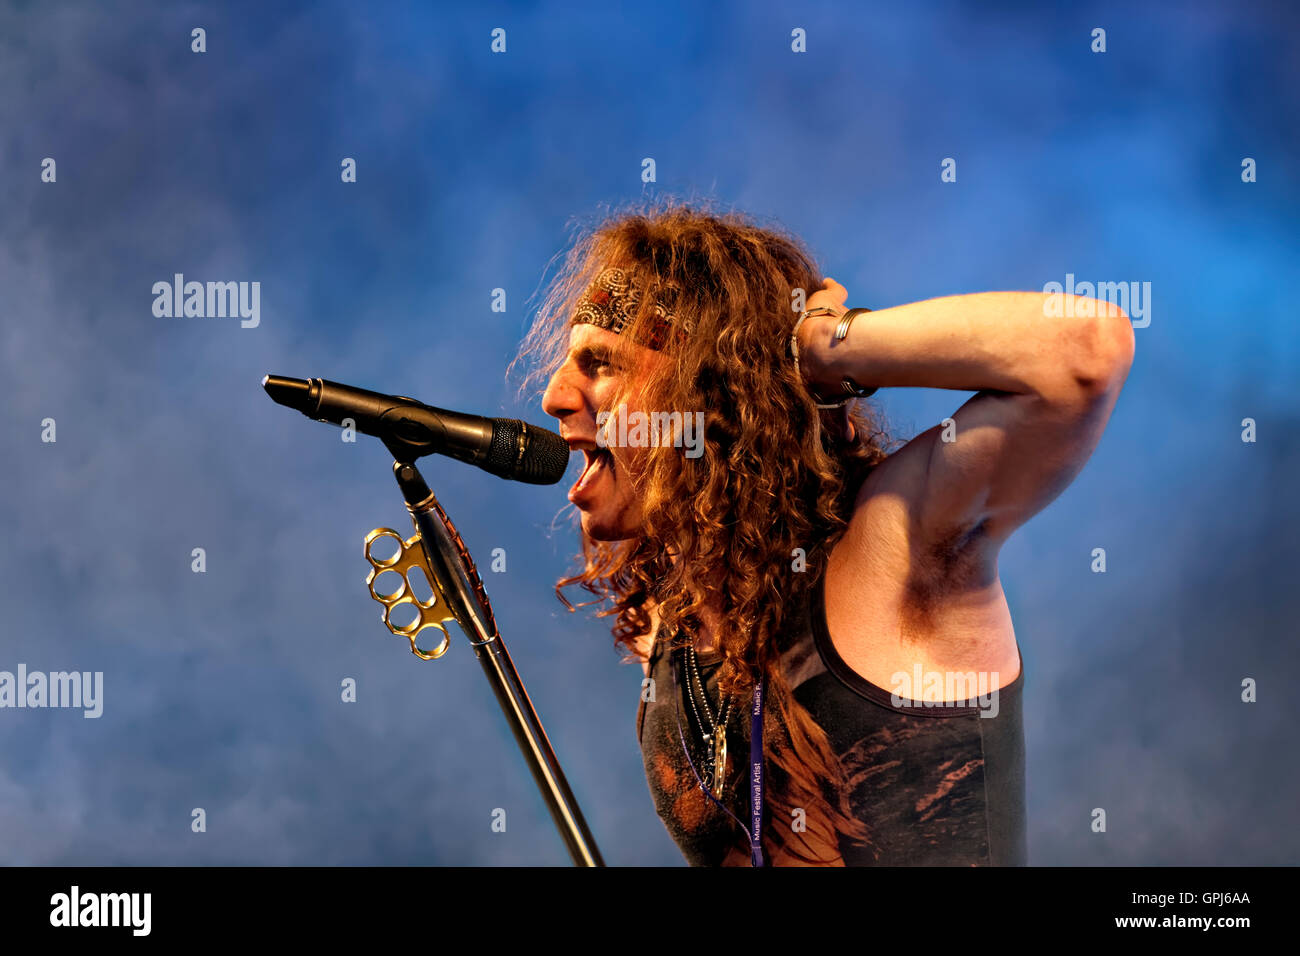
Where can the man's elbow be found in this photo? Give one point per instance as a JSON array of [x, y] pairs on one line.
[[1103, 350]]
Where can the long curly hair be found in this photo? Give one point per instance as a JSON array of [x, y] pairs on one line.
[[725, 530]]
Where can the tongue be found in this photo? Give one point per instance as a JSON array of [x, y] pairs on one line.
[[598, 458]]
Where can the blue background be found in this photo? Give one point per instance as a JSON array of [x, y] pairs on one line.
[[222, 689]]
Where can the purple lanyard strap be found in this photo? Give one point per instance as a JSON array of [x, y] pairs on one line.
[[755, 830]]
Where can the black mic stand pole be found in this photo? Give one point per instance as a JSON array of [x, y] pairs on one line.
[[456, 580]]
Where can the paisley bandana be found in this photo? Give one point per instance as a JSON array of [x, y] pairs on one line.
[[611, 303]]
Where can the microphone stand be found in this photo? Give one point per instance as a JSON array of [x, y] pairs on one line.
[[456, 580]]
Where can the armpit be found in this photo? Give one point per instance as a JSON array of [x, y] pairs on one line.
[[955, 563]]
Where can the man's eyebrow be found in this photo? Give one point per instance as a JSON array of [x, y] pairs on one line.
[[585, 353]]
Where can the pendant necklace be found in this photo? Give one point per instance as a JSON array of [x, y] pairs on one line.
[[715, 737], [757, 769]]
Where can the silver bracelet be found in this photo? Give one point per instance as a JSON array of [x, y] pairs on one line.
[[851, 388], [846, 320]]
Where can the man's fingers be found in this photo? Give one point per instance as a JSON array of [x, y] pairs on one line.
[[835, 289], [830, 295]]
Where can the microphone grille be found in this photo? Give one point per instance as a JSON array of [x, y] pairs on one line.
[[544, 459], [505, 447]]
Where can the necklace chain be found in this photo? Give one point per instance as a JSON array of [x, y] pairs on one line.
[[714, 727]]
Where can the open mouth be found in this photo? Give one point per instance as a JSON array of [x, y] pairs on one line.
[[599, 461]]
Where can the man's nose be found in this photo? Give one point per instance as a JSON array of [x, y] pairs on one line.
[[562, 397]]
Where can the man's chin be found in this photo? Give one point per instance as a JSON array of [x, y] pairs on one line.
[[603, 530]]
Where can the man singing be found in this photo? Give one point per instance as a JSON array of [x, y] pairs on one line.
[[795, 581]]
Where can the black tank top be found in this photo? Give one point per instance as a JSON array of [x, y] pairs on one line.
[[937, 785]]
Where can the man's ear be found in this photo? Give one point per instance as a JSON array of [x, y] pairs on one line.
[[839, 425]]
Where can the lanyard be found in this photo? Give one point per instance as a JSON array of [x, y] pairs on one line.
[[756, 769], [756, 778]]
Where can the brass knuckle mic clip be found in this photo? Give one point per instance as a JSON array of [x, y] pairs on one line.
[[434, 613]]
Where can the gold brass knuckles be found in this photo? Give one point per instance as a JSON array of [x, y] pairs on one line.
[[410, 554]]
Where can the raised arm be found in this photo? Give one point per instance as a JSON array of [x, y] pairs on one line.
[[1046, 386]]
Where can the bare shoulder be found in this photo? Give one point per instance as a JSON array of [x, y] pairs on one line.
[[899, 593]]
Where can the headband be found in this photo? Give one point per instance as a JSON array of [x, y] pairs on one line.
[[610, 302]]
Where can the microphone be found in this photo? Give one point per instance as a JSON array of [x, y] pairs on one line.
[[505, 447]]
